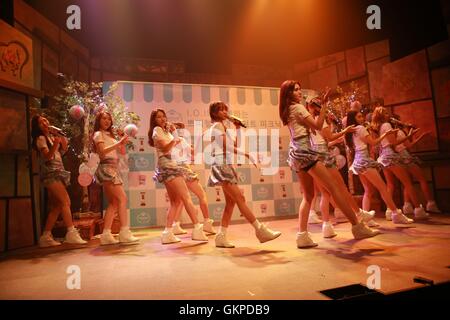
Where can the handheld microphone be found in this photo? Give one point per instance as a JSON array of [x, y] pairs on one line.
[[236, 120], [57, 130], [408, 125]]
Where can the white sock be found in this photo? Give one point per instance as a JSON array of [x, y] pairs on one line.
[[69, 229], [123, 229], [223, 230], [256, 224], [197, 226], [47, 233], [168, 229], [176, 223], [105, 231]]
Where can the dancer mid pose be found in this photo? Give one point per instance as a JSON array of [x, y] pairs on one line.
[[366, 167], [108, 174], [393, 163], [173, 177], [404, 141], [55, 178], [193, 184], [223, 174], [306, 162], [319, 143]]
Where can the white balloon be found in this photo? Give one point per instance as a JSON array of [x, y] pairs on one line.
[[94, 160], [83, 168]]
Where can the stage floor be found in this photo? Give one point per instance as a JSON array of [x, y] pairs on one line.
[[193, 270]]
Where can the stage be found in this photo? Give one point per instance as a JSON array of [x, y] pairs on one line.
[[252, 271]]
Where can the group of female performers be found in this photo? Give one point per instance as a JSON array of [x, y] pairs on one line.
[[309, 157]]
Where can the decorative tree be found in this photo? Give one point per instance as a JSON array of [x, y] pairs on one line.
[[341, 100], [74, 111]]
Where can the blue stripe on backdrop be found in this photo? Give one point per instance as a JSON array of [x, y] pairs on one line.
[[106, 86], [168, 92], [128, 92], [187, 93], [274, 96], [257, 96], [224, 94], [206, 94], [241, 95], [148, 92]]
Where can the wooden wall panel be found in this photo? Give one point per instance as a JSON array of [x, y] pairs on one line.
[[20, 224]]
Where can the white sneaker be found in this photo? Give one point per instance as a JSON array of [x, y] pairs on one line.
[[126, 237], [304, 240], [198, 234], [327, 230], [313, 217], [400, 218], [74, 237], [432, 207], [365, 215], [208, 226], [168, 237], [48, 241], [265, 234], [388, 214], [177, 229], [372, 224], [107, 238], [222, 241], [362, 231], [408, 208], [420, 214]]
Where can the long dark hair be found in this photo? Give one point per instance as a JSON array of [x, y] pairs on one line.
[[36, 132], [153, 125], [286, 90], [97, 127], [351, 119]]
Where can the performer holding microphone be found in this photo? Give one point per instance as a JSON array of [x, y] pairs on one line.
[[223, 174], [50, 144], [108, 174], [192, 182], [173, 177]]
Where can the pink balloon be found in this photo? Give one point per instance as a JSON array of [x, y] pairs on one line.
[[85, 179], [76, 112]]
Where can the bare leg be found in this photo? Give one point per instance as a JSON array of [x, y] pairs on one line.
[[417, 173], [178, 186], [233, 191], [307, 189], [368, 192], [405, 179], [322, 174], [197, 189], [374, 178], [228, 211]]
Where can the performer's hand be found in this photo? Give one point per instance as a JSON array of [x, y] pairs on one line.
[[124, 139], [57, 140], [351, 128]]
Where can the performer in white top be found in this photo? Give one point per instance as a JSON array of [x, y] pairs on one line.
[[319, 142], [173, 177], [224, 174], [49, 144], [404, 141], [365, 166], [192, 182], [108, 175], [306, 162], [393, 163]]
